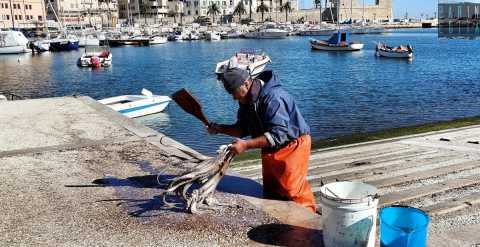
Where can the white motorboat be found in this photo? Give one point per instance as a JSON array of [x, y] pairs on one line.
[[339, 41], [382, 50], [41, 45], [13, 42], [158, 39], [95, 59], [268, 33], [137, 105], [212, 36], [88, 40], [245, 59]]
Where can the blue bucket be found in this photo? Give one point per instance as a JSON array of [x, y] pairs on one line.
[[403, 227]]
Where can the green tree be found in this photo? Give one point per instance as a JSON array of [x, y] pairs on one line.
[[213, 10], [262, 8], [287, 8], [144, 10], [239, 10]]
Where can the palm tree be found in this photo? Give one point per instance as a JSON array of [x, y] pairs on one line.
[[318, 3], [250, 14], [287, 8], [172, 13], [213, 10], [262, 8], [239, 10]]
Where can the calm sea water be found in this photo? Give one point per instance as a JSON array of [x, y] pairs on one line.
[[338, 93]]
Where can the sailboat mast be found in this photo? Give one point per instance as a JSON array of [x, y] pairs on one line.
[[351, 11]]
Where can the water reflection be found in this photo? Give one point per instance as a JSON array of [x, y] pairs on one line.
[[156, 121], [338, 93]]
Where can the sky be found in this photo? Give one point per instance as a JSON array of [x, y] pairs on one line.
[[414, 8]]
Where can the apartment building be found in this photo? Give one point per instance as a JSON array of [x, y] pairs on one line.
[[21, 14], [97, 13]]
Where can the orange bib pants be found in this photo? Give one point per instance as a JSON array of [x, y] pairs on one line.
[[285, 173]]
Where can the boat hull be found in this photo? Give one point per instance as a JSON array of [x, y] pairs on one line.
[[323, 47], [382, 53], [67, 45], [138, 105], [14, 50], [266, 35]]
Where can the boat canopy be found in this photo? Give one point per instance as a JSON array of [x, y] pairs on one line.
[[339, 37]]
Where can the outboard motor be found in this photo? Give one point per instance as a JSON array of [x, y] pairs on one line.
[[410, 48]]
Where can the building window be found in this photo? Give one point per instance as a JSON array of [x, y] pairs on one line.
[[196, 12], [40, 18], [188, 12], [31, 17], [16, 17], [14, 6], [8, 17], [20, 17]]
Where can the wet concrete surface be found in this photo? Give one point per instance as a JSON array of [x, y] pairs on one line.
[[75, 173]]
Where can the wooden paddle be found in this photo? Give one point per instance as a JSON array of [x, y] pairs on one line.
[[190, 105]]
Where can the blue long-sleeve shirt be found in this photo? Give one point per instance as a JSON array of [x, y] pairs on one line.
[[273, 113]]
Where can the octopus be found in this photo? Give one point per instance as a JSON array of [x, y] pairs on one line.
[[206, 176]]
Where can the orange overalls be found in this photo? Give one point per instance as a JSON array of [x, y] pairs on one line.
[[285, 173]]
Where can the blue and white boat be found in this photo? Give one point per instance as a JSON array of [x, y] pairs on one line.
[[64, 44], [133, 106], [339, 41]]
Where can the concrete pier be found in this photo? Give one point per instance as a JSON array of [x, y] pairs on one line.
[[438, 172], [75, 173]]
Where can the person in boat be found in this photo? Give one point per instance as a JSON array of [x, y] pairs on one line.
[[271, 117]]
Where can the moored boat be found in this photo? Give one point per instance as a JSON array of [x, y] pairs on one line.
[[339, 41], [137, 105], [95, 59], [382, 50], [158, 39], [269, 31], [212, 36], [63, 44], [13, 42], [246, 59]]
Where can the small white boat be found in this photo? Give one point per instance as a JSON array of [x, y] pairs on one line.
[[13, 42], [339, 41], [269, 31], [41, 45], [95, 59], [382, 50], [245, 59], [212, 36], [158, 39], [133, 106]]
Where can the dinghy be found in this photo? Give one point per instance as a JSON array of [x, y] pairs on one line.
[[133, 106], [246, 59], [382, 50], [95, 59], [339, 41]]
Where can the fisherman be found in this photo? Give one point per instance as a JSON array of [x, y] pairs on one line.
[[271, 117]]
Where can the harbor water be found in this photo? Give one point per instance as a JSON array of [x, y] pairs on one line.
[[338, 93]]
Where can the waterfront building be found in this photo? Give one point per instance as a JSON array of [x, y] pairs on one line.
[[345, 10], [227, 7], [95, 13], [21, 13]]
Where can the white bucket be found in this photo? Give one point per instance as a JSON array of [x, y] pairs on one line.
[[349, 212]]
